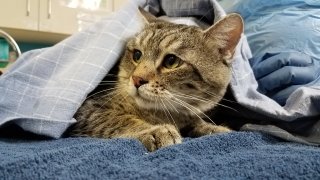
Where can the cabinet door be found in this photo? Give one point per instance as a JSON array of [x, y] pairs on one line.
[[19, 14], [69, 16], [119, 3]]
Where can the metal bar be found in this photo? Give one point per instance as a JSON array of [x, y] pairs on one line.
[[11, 41], [28, 8], [49, 9]]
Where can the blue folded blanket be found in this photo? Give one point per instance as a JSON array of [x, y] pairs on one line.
[[238, 155]]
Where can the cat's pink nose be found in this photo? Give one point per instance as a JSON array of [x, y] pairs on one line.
[[138, 81]]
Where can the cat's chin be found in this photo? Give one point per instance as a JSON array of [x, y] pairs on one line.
[[144, 103], [141, 101]]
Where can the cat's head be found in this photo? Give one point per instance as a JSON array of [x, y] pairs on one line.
[[180, 67]]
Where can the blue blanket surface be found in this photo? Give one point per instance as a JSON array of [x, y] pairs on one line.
[[238, 155]]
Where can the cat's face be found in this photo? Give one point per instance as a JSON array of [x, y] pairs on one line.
[[177, 67]]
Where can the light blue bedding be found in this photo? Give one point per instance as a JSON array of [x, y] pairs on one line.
[[44, 89]]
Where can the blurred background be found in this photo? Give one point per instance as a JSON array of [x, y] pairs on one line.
[[33, 24]]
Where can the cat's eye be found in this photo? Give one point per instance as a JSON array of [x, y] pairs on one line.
[[171, 61], [136, 55]]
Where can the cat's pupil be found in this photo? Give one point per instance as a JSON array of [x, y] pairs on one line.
[[191, 86], [137, 55], [171, 61]]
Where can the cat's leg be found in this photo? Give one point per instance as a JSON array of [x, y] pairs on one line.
[[152, 137], [159, 136], [204, 128]]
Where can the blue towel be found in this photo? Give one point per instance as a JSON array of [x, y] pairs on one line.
[[238, 155]]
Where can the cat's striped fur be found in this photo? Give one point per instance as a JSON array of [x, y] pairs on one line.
[[169, 76]]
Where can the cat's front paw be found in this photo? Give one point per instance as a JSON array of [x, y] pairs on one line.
[[159, 136], [207, 129]]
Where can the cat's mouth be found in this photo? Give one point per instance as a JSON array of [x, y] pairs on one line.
[[144, 101], [143, 95], [148, 95], [146, 98]]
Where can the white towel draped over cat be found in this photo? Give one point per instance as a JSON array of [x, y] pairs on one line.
[[45, 87]]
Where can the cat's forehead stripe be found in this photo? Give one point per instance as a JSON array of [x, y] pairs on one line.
[[159, 38], [139, 37], [169, 40], [146, 38]]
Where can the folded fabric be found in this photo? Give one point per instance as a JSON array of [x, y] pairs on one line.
[[280, 74], [44, 89], [283, 28]]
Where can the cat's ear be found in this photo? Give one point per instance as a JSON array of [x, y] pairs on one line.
[[226, 34], [148, 17]]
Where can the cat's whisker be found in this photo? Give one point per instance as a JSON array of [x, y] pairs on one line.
[[166, 109], [214, 95], [192, 97], [113, 75], [106, 84], [197, 109], [156, 108], [111, 93], [206, 14], [203, 100], [178, 101], [158, 105], [195, 98], [188, 95], [225, 106], [211, 94], [109, 83], [106, 90], [168, 100], [114, 93]]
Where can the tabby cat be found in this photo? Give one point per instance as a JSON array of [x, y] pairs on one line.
[[169, 76]]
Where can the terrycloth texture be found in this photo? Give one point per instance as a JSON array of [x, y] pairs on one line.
[[45, 87], [225, 156]]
